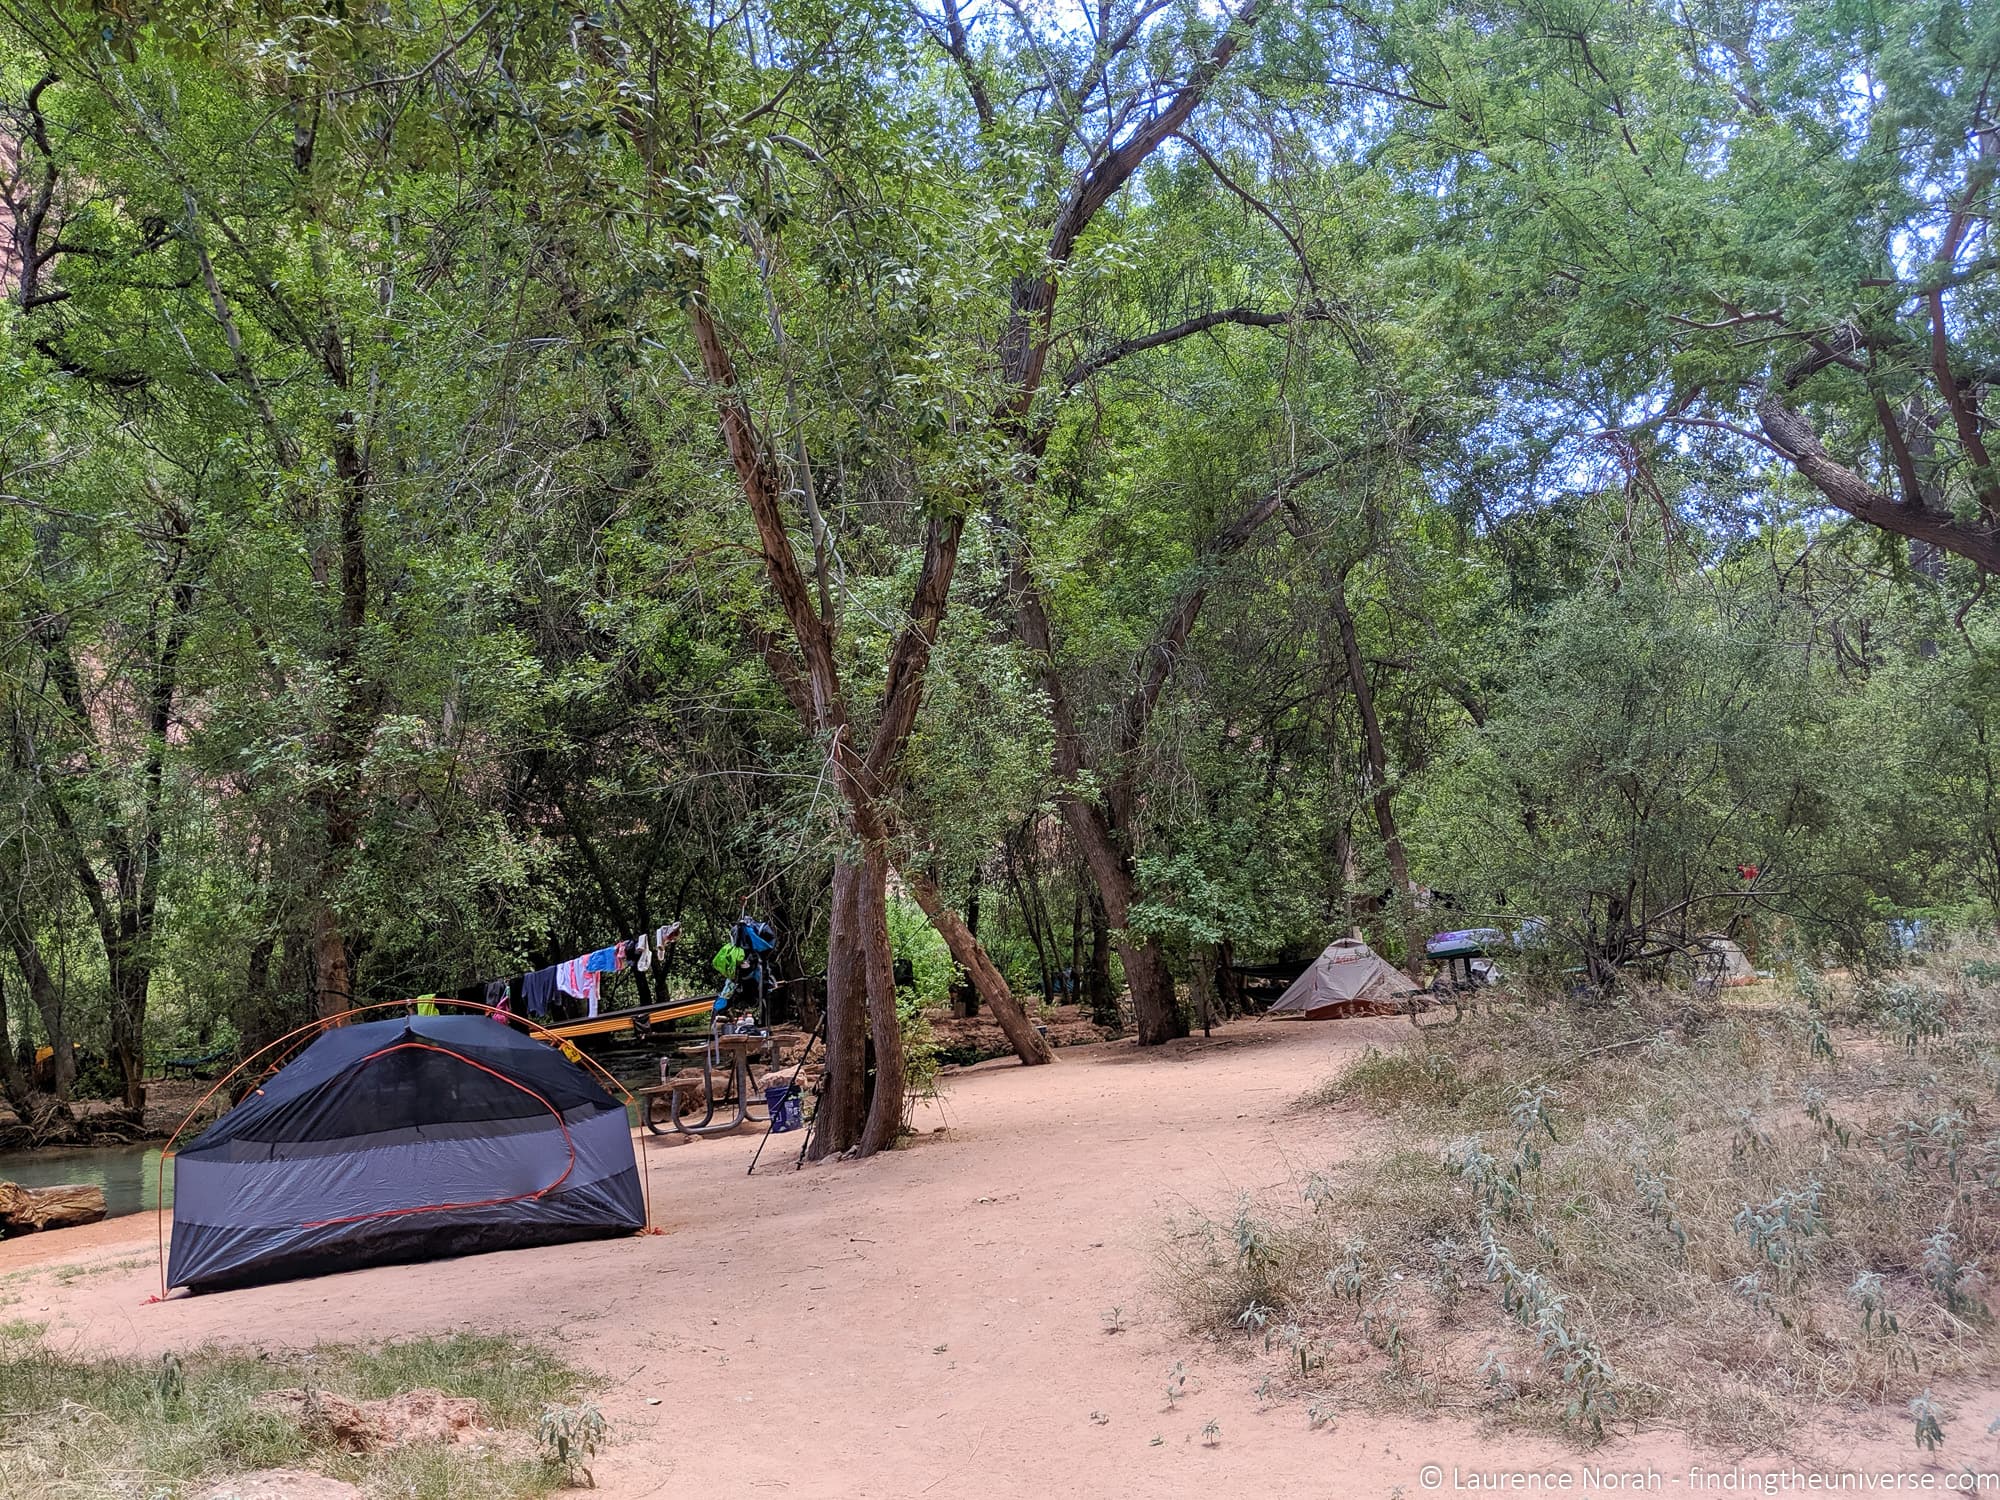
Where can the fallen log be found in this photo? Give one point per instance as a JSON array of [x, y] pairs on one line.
[[26, 1210]]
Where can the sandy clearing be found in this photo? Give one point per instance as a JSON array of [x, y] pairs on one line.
[[928, 1323]]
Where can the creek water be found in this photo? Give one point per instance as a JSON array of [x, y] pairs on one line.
[[129, 1175]]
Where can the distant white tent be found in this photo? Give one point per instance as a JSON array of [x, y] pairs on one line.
[[1725, 961], [1348, 976]]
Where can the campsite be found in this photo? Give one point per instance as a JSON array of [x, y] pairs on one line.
[[1155, 747]]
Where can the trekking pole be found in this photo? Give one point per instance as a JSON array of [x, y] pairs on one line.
[[789, 1086]]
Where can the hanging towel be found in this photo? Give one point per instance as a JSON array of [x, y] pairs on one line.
[[572, 978], [643, 949], [603, 961], [537, 990]]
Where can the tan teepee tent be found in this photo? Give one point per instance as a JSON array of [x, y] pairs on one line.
[[1724, 961], [1348, 978]]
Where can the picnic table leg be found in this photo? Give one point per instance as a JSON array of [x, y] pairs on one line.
[[708, 1090], [739, 1084]]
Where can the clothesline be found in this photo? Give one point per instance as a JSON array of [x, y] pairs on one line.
[[580, 977]]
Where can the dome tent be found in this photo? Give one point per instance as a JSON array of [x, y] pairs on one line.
[[1346, 976], [397, 1140]]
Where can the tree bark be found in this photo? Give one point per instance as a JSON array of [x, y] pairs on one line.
[[28, 1210], [1155, 1008], [970, 954], [843, 1101], [1030, 914], [885, 1022], [332, 975], [14, 1082], [1792, 435], [1230, 982], [48, 1003], [1161, 1018], [1378, 767], [1102, 1001], [1201, 985]]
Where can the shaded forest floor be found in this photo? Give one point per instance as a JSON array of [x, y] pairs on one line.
[[105, 1121], [980, 1314]]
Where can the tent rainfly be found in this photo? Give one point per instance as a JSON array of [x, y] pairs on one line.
[[1345, 978], [400, 1140], [1725, 960]]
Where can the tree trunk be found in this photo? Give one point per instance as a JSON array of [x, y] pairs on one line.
[[885, 1023], [1105, 845], [48, 1002], [1201, 985], [972, 931], [14, 1085], [1102, 1000], [985, 977], [1378, 767], [1075, 969], [1346, 865], [1230, 982], [27, 1210], [131, 978], [332, 977], [843, 1103], [1031, 916], [1155, 1007]]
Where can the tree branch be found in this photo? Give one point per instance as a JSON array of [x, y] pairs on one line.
[[1791, 435], [1246, 317]]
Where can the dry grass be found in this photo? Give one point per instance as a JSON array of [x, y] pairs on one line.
[[1655, 1211], [77, 1426]]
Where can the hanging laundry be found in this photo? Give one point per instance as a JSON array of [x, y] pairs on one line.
[[603, 961], [642, 951], [538, 989], [574, 978], [498, 997], [427, 1005], [671, 933]]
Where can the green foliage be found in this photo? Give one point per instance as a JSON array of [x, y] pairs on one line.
[[1652, 735], [913, 940], [569, 1439], [380, 587]]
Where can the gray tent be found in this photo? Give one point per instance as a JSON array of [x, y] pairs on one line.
[[1347, 978], [1723, 960], [403, 1140]]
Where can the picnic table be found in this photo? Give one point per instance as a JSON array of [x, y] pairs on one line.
[[734, 1052], [195, 1067]]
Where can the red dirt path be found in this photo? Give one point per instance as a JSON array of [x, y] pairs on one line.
[[930, 1323]]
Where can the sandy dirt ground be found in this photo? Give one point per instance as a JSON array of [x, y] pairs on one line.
[[931, 1323]]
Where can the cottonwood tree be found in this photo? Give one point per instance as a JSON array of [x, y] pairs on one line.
[[729, 207], [1754, 224]]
